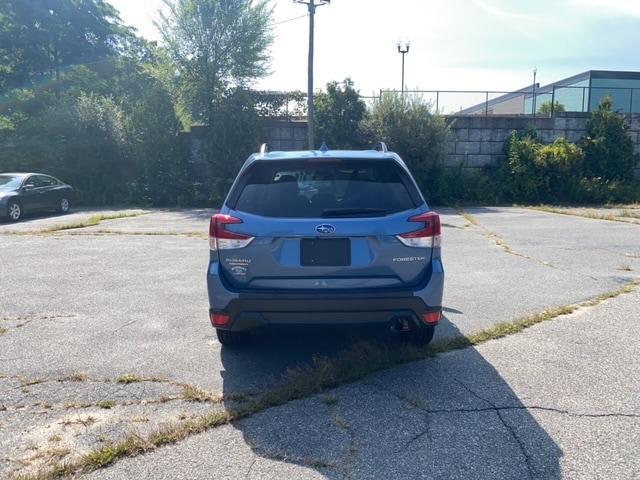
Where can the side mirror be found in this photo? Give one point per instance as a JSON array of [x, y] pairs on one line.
[[28, 186]]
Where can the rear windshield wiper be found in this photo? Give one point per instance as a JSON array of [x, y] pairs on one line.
[[341, 212]]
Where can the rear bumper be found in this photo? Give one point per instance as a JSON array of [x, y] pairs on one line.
[[250, 310], [250, 313]]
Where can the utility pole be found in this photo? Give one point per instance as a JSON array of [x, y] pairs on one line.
[[403, 49], [311, 117], [533, 99]]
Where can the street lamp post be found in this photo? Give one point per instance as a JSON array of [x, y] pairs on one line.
[[311, 5], [403, 49]]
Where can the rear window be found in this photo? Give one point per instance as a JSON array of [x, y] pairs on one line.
[[327, 188], [8, 182]]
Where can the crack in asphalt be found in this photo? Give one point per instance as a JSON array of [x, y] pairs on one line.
[[253, 462], [349, 455], [124, 326], [509, 428], [499, 241], [492, 407]]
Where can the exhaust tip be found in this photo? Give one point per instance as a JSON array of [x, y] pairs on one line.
[[401, 324]]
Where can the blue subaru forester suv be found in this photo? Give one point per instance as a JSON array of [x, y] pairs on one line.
[[325, 237]]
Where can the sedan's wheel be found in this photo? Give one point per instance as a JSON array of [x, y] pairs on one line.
[[64, 205], [14, 211]]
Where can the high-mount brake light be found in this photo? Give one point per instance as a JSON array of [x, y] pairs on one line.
[[427, 236], [222, 239]]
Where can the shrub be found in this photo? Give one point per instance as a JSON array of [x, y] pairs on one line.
[[410, 128], [339, 112], [599, 191], [534, 172], [455, 186], [608, 147]]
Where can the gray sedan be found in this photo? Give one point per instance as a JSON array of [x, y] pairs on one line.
[[32, 192]]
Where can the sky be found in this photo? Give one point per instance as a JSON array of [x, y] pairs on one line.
[[454, 44]]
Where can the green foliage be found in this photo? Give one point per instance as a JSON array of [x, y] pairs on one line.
[[545, 107], [608, 147], [536, 172], [159, 153], [110, 130], [233, 140], [274, 104], [214, 45], [39, 39], [452, 186], [339, 113], [409, 127], [600, 191]]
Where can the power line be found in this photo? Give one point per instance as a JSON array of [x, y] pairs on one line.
[[288, 20]]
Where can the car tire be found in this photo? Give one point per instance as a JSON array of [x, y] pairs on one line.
[[64, 205], [232, 339], [14, 211], [421, 336]]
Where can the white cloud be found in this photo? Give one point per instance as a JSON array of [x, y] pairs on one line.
[[525, 24], [611, 7]]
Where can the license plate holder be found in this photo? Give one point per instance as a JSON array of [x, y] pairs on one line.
[[325, 252]]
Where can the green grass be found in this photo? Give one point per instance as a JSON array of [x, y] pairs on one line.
[[128, 378], [341, 423], [468, 217], [321, 374], [192, 393], [625, 217], [107, 404], [93, 220], [74, 377]]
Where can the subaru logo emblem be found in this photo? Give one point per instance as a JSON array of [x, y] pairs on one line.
[[325, 229]]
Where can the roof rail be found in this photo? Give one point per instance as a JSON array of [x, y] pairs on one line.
[[381, 147], [264, 148]]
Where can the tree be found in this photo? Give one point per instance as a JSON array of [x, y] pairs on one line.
[[215, 44], [106, 126], [409, 127], [39, 39], [545, 107], [339, 112], [609, 152]]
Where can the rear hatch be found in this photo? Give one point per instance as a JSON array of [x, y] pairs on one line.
[[325, 224]]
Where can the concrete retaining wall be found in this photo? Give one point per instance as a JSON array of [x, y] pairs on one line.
[[478, 141], [286, 135]]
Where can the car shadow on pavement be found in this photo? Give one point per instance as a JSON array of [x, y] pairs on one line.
[[446, 417], [30, 217]]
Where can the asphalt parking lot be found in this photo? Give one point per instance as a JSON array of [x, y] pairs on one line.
[[105, 327]]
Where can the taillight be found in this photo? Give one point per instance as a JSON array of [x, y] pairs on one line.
[[431, 318], [219, 319], [222, 239], [427, 236]]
